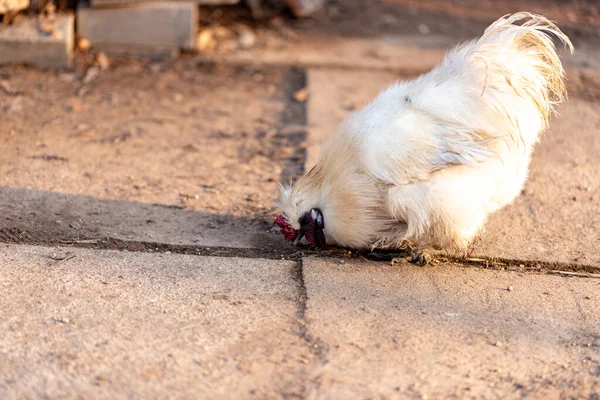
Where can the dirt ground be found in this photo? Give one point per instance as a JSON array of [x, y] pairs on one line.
[[457, 19], [202, 138], [184, 135]]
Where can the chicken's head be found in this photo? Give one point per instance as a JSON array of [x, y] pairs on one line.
[[311, 225], [334, 202], [299, 220]]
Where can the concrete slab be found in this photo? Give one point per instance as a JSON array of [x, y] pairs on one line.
[[24, 43], [554, 220], [176, 157], [166, 24], [449, 332], [119, 325], [13, 5]]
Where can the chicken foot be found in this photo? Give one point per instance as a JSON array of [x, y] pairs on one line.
[[407, 252]]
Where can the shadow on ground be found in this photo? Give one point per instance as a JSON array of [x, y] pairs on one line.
[[43, 217]]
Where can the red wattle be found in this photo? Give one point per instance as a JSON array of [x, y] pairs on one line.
[[288, 232]]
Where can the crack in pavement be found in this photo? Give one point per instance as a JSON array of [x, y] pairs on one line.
[[281, 251], [316, 346], [524, 265]]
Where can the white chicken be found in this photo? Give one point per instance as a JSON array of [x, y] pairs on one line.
[[428, 160]]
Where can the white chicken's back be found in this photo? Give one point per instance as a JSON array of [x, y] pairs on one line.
[[428, 160]]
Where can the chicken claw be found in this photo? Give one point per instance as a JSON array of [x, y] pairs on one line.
[[420, 257], [407, 252], [398, 260]]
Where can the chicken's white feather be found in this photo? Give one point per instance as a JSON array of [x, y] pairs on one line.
[[428, 160]]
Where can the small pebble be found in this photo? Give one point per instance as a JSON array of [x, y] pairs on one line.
[[423, 29], [102, 60], [205, 40], [66, 77], [155, 68], [247, 39], [301, 95], [75, 107], [5, 85], [499, 344], [16, 105], [510, 288], [276, 22], [91, 74], [84, 44], [389, 19]]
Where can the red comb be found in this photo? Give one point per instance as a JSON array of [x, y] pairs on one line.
[[288, 232]]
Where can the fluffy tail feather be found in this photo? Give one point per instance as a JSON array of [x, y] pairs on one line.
[[509, 80], [525, 57]]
